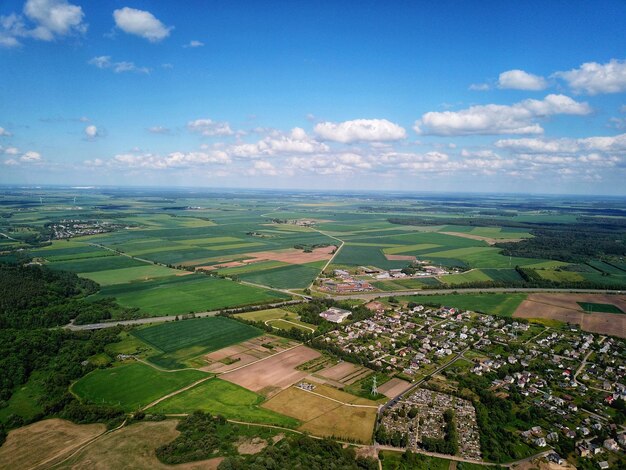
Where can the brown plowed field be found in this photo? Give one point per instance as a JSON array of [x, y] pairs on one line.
[[393, 388], [293, 256], [274, 373], [400, 257], [564, 307]]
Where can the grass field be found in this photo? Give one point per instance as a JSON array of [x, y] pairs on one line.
[[219, 397], [284, 277], [185, 294], [474, 275], [496, 304], [119, 276], [182, 341], [274, 316], [25, 400], [604, 308], [132, 386]]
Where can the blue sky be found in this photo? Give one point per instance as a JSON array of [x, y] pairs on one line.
[[469, 96]]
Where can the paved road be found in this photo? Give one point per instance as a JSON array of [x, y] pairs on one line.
[[143, 321]]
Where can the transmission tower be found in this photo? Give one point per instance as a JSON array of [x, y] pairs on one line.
[[374, 387]]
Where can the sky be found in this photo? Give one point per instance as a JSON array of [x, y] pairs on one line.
[[485, 96]]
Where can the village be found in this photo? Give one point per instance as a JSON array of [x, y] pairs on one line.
[[573, 377], [70, 228]]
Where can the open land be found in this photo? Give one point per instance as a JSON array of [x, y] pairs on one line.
[[566, 308], [42, 443], [273, 374]]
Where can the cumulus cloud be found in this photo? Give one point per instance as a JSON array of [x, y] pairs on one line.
[[141, 23], [30, 157], [4, 132], [594, 78], [49, 19], [173, 160], [12, 151], [194, 43], [208, 127], [518, 118], [296, 141], [91, 132], [520, 80], [360, 130], [105, 62]]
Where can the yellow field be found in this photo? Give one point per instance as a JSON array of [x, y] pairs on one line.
[[325, 415]]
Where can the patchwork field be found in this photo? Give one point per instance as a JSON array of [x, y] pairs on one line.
[[326, 415], [273, 374], [567, 308], [132, 386], [394, 387], [247, 352], [185, 294], [220, 397], [44, 442], [184, 340]]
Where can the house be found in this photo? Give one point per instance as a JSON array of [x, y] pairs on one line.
[[611, 445], [540, 442], [621, 439], [603, 465], [335, 315]]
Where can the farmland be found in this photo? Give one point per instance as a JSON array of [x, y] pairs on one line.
[[495, 304], [223, 398], [276, 317], [182, 341], [132, 386], [185, 294]]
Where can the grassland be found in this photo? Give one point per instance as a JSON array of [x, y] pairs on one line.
[[394, 461], [182, 341], [132, 386], [224, 398], [496, 304], [275, 316], [185, 294], [292, 276]]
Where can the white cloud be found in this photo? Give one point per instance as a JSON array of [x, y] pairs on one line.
[[49, 19], [158, 130], [91, 132], [520, 80], [30, 157], [11, 162], [208, 127], [594, 78], [172, 160], [296, 141], [609, 144], [12, 151], [141, 23], [105, 62], [194, 43], [479, 87], [518, 118], [360, 130], [4, 132]]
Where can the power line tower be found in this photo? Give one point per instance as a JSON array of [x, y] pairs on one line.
[[374, 387]]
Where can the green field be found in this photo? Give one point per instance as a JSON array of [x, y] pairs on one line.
[[294, 276], [474, 275], [120, 276], [132, 386], [182, 341], [223, 398], [496, 304], [185, 294], [392, 460], [604, 308], [276, 316]]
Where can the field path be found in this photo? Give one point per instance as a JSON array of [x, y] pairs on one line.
[[160, 369], [332, 257], [267, 322], [176, 392], [339, 401]]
